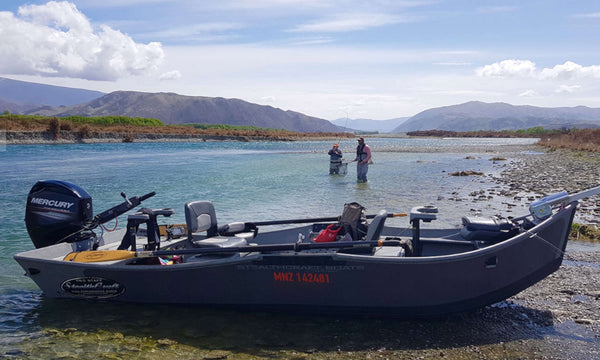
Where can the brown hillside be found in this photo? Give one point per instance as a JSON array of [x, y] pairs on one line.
[[172, 108]]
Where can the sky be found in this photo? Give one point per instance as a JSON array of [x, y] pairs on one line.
[[331, 59]]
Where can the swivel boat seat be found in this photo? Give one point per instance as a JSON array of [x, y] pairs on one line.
[[376, 226], [200, 216]]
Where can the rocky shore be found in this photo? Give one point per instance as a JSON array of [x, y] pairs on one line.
[[557, 318], [569, 299], [545, 172]]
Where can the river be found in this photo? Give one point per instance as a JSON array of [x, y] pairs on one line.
[[246, 181]]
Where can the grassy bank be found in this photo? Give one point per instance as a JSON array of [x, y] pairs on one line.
[[86, 127], [574, 139], [569, 139], [584, 232]]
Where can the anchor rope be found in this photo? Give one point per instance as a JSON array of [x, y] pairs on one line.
[[558, 251]]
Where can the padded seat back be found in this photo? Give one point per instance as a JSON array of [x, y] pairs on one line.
[[376, 226], [193, 210]]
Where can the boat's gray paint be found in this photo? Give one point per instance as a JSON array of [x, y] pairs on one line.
[[323, 281]]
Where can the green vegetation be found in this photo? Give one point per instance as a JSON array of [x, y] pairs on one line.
[[89, 127], [570, 139], [584, 233], [364, 132], [100, 120], [230, 127], [537, 131], [114, 120]]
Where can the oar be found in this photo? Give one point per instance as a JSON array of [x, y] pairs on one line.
[[111, 255], [301, 221]]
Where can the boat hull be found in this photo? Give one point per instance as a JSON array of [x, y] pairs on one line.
[[328, 282]]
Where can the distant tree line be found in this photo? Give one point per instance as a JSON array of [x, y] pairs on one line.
[[572, 139], [114, 120], [229, 127], [537, 131]]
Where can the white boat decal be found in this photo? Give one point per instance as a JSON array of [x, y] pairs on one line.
[[92, 287]]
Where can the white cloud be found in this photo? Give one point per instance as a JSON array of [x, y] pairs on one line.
[[310, 41], [529, 93], [508, 68], [269, 99], [350, 22], [588, 15], [171, 75], [527, 69], [56, 14], [570, 70], [202, 32], [56, 39], [567, 89]]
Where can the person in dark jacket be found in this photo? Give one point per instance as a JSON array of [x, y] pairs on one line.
[[335, 159]]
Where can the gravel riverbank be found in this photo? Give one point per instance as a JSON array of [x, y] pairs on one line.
[[545, 172], [557, 318], [569, 299]]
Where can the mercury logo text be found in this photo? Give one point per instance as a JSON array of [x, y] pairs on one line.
[[53, 203]]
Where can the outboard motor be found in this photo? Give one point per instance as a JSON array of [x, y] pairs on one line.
[[57, 211]]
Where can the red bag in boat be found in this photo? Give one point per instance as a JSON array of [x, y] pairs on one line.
[[328, 234]]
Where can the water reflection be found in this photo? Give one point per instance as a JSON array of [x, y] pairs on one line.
[[86, 329], [249, 332]]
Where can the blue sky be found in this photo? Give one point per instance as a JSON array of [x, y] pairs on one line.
[[325, 58]]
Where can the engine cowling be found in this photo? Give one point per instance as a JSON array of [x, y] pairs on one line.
[[57, 211]]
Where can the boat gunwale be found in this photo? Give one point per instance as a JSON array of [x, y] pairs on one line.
[[33, 254]]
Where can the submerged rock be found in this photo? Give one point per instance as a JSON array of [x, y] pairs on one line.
[[466, 173]]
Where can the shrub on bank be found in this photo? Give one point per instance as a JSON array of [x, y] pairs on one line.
[[570, 139], [585, 233], [573, 139], [114, 120], [84, 126]]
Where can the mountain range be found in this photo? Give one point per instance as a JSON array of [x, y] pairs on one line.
[[28, 95], [21, 97], [476, 115], [172, 109], [368, 125]]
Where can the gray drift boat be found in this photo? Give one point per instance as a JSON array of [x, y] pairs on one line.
[[344, 264]]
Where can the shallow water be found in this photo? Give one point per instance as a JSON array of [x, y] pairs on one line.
[[250, 182]]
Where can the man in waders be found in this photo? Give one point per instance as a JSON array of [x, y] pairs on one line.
[[335, 160], [363, 155]]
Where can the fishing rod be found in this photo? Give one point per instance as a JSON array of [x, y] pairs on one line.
[[323, 219]]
